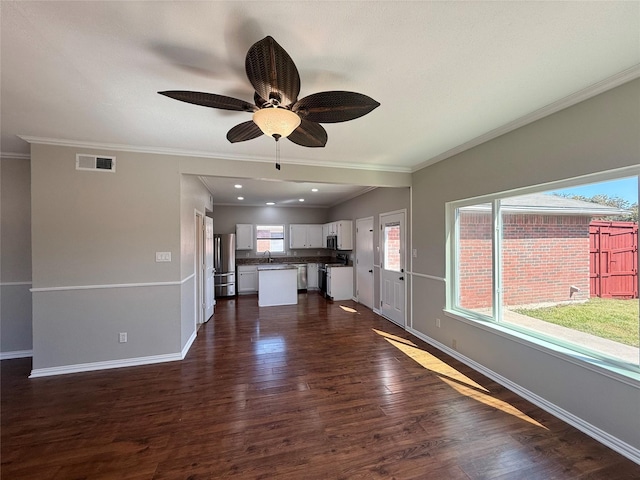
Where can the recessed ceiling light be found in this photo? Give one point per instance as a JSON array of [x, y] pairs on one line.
[[270, 203], [301, 199], [314, 189], [238, 185], [240, 198]]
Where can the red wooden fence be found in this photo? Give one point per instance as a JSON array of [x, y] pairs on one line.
[[613, 248]]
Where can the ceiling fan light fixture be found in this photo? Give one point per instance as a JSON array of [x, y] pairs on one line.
[[276, 122]]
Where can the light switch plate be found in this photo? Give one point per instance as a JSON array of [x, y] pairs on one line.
[[163, 256]]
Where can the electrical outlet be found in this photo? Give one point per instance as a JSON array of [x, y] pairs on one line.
[[415, 253], [122, 337], [454, 344], [438, 322]]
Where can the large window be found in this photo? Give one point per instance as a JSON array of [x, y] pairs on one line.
[[270, 238], [559, 264]]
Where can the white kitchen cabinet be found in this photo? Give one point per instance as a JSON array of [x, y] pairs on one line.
[[325, 234], [305, 236], [344, 233], [312, 276], [247, 279], [244, 236], [342, 230], [340, 283]]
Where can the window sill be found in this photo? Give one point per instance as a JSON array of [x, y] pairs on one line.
[[620, 373]]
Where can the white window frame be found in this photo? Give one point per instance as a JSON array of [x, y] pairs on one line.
[[284, 238], [538, 340]]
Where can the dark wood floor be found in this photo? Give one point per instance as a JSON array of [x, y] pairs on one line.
[[311, 391]]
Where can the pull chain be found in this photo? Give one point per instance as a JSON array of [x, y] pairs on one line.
[[277, 137]]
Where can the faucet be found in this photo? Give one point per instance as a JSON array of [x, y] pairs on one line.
[[267, 252]]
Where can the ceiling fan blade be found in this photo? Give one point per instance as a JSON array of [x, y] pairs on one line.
[[272, 72], [210, 100], [309, 134], [334, 107], [243, 132]]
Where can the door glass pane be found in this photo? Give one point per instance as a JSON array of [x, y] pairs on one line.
[[475, 258], [392, 247]]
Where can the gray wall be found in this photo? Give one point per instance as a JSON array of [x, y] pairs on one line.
[[596, 135], [15, 257], [94, 238], [372, 204]]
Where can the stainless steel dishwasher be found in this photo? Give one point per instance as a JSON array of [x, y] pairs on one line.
[[302, 276]]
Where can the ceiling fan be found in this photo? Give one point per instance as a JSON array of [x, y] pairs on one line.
[[277, 111]]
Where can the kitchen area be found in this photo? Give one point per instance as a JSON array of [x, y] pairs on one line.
[[276, 262]]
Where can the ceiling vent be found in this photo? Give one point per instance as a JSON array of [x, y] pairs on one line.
[[96, 163]]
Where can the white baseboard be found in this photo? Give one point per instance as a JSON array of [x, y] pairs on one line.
[[187, 346], [128, 362], [89, 367], [623, 448], [16, 354]]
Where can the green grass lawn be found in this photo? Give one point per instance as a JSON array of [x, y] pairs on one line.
[[604, 317]]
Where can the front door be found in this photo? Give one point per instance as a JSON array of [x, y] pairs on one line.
[[364, 261], [392, 263]]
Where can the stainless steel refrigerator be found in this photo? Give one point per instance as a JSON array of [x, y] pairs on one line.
[[224, 262]]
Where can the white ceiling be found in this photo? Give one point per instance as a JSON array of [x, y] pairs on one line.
[[447, 74]]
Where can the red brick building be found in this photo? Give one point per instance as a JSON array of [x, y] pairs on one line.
[[545, 250]]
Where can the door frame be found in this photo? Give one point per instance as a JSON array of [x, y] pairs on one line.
[[403, 257], [208, 279], [198, 264]]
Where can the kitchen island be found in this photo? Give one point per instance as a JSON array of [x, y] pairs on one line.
[[277, 285]]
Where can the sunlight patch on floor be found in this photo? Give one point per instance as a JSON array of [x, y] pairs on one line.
[[348, 309], [490, 401], [455, 379], [393, 337]]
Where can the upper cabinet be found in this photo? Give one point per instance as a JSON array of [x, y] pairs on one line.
[[344, 234], [305, 236], [244, 236], [342, 230]]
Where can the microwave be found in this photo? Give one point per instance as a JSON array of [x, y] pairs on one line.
[[332, 242]]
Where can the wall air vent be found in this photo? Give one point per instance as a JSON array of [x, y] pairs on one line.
[[95, 163]]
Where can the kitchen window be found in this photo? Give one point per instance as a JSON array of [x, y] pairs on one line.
[[556, 263], [270, 238]]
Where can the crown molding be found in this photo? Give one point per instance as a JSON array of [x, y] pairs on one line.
[[201, 154], [580, 96]]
